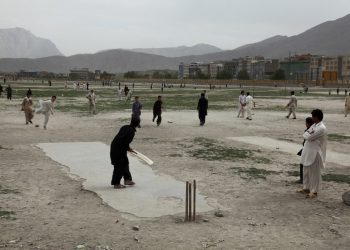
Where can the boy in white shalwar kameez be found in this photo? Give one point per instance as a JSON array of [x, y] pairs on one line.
[[249, 100], [313, 156], [46, 108]]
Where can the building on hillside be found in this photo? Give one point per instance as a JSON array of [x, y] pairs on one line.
[[271, 66], [214, 69], [231, 67], [330, 68], [97, 74], [27, 74], [316, 68], [199, 70], [297, 67], [344, 68], [80, 74]]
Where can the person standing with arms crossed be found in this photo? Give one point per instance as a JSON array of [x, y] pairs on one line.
[[313, 157]]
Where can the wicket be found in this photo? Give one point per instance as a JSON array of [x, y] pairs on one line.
[[190, 209]]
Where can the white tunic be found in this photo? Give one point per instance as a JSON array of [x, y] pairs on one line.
[[315, 143], [249, 101]]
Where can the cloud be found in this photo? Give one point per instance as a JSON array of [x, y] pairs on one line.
[[81, 26]]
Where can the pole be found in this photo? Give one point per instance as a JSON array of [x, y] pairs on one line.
[[194, 200], [190, 201], [186, 209]]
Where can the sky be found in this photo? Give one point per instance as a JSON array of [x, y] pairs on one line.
[[89, 26]]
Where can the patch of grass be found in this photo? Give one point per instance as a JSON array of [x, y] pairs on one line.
[[175, 155], [338, 137], [7, 190], [339, 178], [293, 173], [254, 173], [7, 214], [210, 150]]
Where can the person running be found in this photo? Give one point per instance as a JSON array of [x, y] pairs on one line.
[[313, 157], [241, 105], [157, 110], [27, 108], [118, 154], [136, 110], [202, 108], [46, 108], [292, 105]]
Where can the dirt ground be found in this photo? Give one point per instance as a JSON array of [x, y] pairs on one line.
[[47, 209]]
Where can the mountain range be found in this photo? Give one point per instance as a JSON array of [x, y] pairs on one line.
[[198, 49], [21, 43], [331, 38]]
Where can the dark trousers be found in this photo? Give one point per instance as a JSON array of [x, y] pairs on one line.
[[301, 173], [159, 119], [121, 171], [9, 97], [202, 119]]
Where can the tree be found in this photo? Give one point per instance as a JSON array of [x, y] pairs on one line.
[[130, 74], [224, 74], [243, 75], [278, 75]]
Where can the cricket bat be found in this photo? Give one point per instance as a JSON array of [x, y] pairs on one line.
[[142, 157]]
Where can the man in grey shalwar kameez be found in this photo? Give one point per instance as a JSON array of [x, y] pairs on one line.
[[313, 156]]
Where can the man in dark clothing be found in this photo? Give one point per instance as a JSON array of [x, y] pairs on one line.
[[9, 92], [119, 159], [202, 108], [157, 110], [136, 110]]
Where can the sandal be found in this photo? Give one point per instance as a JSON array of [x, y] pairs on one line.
[[119, 186], [311, 195], [303, 191]]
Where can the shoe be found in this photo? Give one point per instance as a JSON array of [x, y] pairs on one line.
[[119, 186], [45, 127], [287, 117], [129, 183], [294, 118], [26, 123], [311, 195], [31, 122], [153, 119], [303, 191]]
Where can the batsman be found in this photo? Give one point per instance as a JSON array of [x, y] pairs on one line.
[[119, 159]]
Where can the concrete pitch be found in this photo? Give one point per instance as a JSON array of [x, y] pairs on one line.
[[288, 147], [153, 196]]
